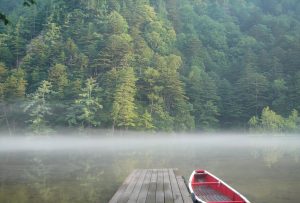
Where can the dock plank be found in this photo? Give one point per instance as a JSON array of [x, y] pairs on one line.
[[160, 197], [152, 188], [167, 187], [175, 188], [183, 189], [144, 190]]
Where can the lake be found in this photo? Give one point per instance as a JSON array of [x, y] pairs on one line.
[[74, 169]]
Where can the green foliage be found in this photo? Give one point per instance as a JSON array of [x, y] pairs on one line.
[[38, 108], [87, 107], [252, 93], [272, 122], [162, 65], [294, 95], [124, 108], [203, 94], [117, 24], [14, 86], [59, 78], [160, 37], [146, 122], [2, 75], [116, 54], [211, 32], [3, 17], [279, 95]]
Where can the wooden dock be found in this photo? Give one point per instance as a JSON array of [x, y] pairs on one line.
[[153, 186]]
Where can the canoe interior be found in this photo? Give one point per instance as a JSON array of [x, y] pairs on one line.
[[211, 190]]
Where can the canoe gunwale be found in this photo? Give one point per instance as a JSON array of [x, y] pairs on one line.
[[244, 200]]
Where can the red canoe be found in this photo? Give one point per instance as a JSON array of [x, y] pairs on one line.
[[207, 188]]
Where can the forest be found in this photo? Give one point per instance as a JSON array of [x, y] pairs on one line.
[[150, 65]]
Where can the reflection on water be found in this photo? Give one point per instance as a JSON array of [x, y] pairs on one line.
[[85, 169]]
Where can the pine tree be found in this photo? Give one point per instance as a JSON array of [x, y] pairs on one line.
[[39, 108], [124, 109], [146, 122], [59, 79], [203, 94], [18, 42], [13, 90], [175, 100], [15, 86], [86, 108], [229, 111], [117, 24], [116, 54], [252, 96], [294, 92], [6, 55], [279, 93]]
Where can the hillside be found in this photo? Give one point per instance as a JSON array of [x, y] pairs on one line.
[[157, 65]]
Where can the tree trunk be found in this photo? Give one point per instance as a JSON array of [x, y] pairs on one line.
[[6, 120]]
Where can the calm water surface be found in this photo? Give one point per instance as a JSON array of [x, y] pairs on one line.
[[36, 170]]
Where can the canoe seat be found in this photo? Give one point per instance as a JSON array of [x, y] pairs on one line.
[[205, 183]]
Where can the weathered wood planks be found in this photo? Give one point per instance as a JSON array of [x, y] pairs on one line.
[[153, 186]]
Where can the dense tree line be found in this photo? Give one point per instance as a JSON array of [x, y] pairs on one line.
[[157, 65]]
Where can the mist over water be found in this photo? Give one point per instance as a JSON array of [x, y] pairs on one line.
[[73, 168], [135, 140]]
